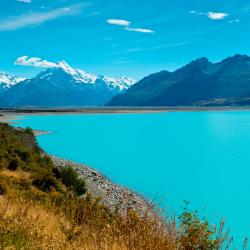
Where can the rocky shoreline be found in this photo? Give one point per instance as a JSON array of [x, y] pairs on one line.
[[110, 194]]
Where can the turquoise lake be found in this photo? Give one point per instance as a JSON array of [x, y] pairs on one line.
[[202, 157]]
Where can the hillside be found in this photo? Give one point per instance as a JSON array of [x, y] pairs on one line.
[[44, 207], [199, 83]]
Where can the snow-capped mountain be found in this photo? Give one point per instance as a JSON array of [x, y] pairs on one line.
[[121, 83], [7, 81], [65, 86], [82, 77]]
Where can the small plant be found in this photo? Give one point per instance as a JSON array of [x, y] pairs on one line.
[[13, 165], [45, 183], [70, 179], [29, 130], [197, 233], [24, 155]]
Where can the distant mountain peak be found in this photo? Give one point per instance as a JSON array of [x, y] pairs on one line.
[[64, 85], [237, 57], [67, 68], [202, 62], [82, 77], [7, 81]]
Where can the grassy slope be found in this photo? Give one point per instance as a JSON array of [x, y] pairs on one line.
[[40, 210]]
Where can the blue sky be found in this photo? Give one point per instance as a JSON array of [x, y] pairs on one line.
[[119, 37]]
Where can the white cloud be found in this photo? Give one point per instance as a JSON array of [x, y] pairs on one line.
[[37, 18], [24, 1], [141, 30], [35, 62], [217, 15], [120, 22], [126, 23], [211, 15]]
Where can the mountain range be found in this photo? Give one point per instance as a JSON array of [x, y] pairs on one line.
[[199, 83], [60, 86]]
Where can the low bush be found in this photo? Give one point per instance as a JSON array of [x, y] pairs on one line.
[[29, 130], [13, 165], [70, 179], [45, 183]]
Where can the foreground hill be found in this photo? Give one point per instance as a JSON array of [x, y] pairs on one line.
[[45, 207], [64, 86], [200, 83]]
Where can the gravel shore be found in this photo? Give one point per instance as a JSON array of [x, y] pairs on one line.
[[111, 195]]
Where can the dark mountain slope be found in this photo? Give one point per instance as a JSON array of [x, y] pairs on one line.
[[198, 83]]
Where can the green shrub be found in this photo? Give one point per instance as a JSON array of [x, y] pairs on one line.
[[56, 172], [196, 232], [24, 155], [70, 179], [45, 183], [13, 165], [29, 130]]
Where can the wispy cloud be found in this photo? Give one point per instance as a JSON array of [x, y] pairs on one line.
[[211, 15], [217, 15], [141, 30], [163, 46], [126, 24], [234, 21], [32, 19], [35, 62], [120, 22], [24, 1]]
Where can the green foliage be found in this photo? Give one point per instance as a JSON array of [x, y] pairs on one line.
[[71, 179], [29, 130], [14, 239], [196, 233], [19, 150], [45, 183], [13, 165]]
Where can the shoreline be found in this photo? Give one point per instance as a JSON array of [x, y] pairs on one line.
[[12, 119], [114, 110], [111, 194]]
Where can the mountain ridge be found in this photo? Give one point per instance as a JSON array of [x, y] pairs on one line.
[[199, 83]]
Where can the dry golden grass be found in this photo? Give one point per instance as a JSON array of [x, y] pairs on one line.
[[28, 225], [33, 219], [18, 174]]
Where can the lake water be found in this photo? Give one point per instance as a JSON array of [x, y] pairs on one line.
[[203, 157]]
